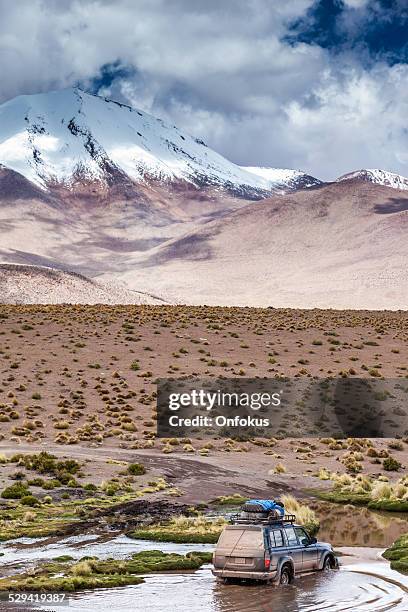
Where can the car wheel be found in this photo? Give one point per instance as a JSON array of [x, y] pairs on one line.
[[285, 576], [328, 563]]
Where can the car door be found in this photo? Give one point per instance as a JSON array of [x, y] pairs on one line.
[[309, 550], [295, 549], [277, 547]]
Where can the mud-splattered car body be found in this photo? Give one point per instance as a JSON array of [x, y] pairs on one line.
[[272, 553]]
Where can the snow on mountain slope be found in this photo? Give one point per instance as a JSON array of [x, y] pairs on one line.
[[283, 178], [379, 177], [40, 285], [68, 135]]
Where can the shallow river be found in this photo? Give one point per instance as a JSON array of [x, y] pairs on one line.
[[364, 583], [200, 591]]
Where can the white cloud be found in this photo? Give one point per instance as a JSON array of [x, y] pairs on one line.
[[222, 71]]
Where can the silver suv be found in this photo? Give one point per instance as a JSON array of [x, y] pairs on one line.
[[274, 552]]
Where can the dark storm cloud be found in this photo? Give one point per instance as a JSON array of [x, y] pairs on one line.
[[264, 83], [378, 29], [109, 73]]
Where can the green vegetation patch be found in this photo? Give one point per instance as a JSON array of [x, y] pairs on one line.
[[161, 535], [61, 518], [389, 505], [45, 463], [359, 499], [93, 573], [338, 497], [230, 500], [360, 490], [15, 491], [136, 469], [397, 554], [183, 530], [363, 499]]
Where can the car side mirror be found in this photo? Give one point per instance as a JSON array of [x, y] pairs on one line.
[[313, 540]]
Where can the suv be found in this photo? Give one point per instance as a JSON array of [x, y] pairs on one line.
[[275, 551]]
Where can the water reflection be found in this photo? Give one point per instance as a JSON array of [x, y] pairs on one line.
[[26, 550], [332, 592], [353, 526]]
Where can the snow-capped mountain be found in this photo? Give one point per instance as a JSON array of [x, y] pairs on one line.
[[100, 202], [281, 178], [379, 177], [65, 136]]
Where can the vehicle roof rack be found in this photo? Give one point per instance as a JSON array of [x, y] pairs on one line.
[[236, 519]]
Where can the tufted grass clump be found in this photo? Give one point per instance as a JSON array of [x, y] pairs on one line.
[[304, 514], [236, 499], [136, 469], [376, 493], [183, 529], [15, 491]]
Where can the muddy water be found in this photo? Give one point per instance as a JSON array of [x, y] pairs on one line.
[[356, 591], [353, 526], [200, 591], [30, 550], [364, 583]]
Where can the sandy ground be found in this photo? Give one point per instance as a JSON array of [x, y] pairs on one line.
[[73, 378], [216, 475]]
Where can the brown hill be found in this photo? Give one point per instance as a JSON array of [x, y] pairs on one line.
[[342, 245], [38, 285]]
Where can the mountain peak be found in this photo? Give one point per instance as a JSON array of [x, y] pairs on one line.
[[284, 177], [378, 177], [68, 135]]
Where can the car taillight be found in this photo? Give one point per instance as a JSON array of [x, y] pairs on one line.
[[219, 560], [267, 563]]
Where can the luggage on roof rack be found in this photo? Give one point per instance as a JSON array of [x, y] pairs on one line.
[[238, 519], [262, 511], [262, 508]]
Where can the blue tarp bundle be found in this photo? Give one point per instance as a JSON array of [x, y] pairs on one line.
[[266, 505]]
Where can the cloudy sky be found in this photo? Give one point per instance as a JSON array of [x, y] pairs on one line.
[[317, 85]]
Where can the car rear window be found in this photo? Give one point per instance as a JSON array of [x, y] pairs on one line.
[[241, 538], [276, 538]]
